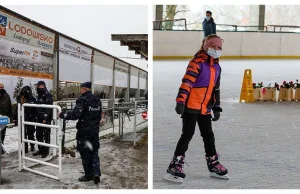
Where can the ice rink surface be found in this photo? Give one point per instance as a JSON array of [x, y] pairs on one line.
[[259, 143]]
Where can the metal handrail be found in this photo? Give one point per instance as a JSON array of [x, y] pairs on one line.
[[282, 26], [174, 20]]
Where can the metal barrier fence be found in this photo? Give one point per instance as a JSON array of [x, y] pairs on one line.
[[180, 24], [55, 144], [128, 114], [107, 121], [128, 110]]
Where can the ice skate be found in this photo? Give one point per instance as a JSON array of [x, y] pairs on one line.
[[215, 168], [175, 171]]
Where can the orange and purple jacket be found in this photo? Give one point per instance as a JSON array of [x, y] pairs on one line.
[[199, 90]]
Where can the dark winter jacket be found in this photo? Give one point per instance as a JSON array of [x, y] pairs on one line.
[[87, 110], [44, 113], [209, 27], [5, 105], [30, 112]]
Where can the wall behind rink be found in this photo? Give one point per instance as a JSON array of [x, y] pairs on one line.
[[184, 44]]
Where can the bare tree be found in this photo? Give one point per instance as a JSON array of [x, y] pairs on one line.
[[174, 12]]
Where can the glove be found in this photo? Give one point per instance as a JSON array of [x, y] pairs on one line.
[[179, 108], [62, 115], [217, 113]]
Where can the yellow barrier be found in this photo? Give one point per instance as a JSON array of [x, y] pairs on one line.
[[247, 89]]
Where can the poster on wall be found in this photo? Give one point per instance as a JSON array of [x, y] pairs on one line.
[[76, 58], [121, 74], [75, 51], [23, 61], [26, 61], [134, 79], [16, 30], [142, 79], [103, 69]]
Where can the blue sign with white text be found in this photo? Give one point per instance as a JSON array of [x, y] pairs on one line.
[[3, 121]]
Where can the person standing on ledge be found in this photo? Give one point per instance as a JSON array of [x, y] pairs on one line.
[[209, 26]]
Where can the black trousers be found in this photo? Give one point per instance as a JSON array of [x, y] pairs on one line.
[[89, 152], [3, 131], [29, 134], [43, 135], [189, 121]]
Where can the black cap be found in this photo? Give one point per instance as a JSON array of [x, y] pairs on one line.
[[86, 85], [41, 83]]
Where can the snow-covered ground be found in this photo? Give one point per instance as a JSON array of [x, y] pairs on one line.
[[122, 167], [259, 143]]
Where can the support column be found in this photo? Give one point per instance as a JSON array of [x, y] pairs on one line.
[[92, 72], [127, 97], [138, 92], [158, 16], [257, 16], [262, 11], [113, 89]]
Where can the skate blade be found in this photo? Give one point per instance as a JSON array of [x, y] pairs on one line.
[[172, 178], [226, 177]]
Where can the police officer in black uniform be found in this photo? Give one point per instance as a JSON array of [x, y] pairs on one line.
[[44, 115], [88, 113]]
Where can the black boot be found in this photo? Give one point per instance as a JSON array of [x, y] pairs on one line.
[[26, 148], [37, 153], [85, 178], [44, 155], [97, 179]]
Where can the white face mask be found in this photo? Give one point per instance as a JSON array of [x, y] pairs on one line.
[[214, 53], [207, 18]]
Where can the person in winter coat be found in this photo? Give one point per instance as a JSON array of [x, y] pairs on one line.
[[30, 114], [198, 95], [5, 109], [209, 26], [87, 111], [43, 115]]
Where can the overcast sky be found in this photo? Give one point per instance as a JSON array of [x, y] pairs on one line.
[[93, 24]]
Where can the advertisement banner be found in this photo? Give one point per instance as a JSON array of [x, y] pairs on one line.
[[143, 74], [25, 61], [74, 51], [103, 60], [19, 31], [122, 67]]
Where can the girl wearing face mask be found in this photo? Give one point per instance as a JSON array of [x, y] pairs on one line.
[[30, 115], [198, 95]]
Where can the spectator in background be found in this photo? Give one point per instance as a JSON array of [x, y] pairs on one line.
[[209, 26], [26, 96], [5, 108]]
